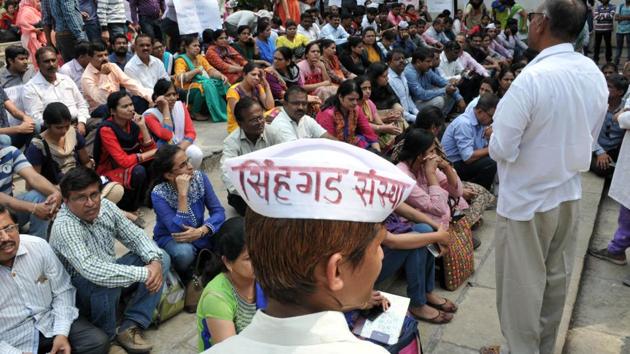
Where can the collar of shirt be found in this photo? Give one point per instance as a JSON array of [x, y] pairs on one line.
[[553, 50], [243, 136], [317, 328], [135, 60], [40, 80], [284, 115], [471, 117]]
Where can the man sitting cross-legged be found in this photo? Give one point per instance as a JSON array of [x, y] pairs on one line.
[[83, 237]]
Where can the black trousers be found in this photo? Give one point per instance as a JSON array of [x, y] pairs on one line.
[[84, 338], [607, 36], [481, 171]]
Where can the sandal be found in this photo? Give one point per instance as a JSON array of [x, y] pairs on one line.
[[441, 318], [491, 349], [447, 306], [199, 117]]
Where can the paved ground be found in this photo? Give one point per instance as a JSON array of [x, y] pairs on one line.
[[601, 318], [476, 323]]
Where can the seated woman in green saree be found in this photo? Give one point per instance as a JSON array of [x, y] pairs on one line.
[[206, 86]]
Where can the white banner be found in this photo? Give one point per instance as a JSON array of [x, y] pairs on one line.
[[194, 16], [437, 6]]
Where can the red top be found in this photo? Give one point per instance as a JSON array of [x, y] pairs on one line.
[[326, 119], [114, 159], [165, 134]]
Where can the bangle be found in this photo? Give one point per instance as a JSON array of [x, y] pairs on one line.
[[34, 208], [139, 157]]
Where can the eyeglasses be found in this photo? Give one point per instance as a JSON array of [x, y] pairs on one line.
[[94, 197], [531, 15], [9, 228]]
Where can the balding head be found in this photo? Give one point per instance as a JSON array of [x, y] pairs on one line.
[[566, 18]]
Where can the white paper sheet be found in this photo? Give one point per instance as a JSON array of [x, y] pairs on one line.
[[194, 16]]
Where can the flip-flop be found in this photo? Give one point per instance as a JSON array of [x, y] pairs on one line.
[[448, 306], [441, 318], [491, 349]]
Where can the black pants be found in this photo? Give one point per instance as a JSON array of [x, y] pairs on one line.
[[66, 44], [481, 171], [134, 198], [171, 29], [236, 202], [84, 338], [604, 172], [151, 26], [607, 36]]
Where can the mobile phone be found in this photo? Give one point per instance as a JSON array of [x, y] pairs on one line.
[[434, 250]]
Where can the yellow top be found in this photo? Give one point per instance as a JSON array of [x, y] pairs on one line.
[[299, 40], [182, 68], [233, 95], [372, 54]]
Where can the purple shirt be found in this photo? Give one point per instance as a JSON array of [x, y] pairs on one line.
[[148, 8], [469, 63]]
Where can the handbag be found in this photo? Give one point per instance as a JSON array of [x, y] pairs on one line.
[[458, 264], [200, 278], [172, 299]]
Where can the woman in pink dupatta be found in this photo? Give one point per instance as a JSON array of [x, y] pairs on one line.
[[29, 16]]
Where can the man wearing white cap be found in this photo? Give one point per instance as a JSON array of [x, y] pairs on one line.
[[327, 200]]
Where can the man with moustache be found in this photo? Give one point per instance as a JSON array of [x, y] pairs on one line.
[[251, 135], [292, 123], [48, 85], [38, 313], [101, 78], [143, 67], [83, 237]]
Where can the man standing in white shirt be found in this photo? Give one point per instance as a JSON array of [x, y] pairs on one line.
[[292, 123], [49, 86], [539, 159], [143, 67]]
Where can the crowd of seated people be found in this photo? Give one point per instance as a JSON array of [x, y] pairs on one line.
[[116, 124]]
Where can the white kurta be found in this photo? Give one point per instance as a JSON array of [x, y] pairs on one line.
[[620, 186], [318, 333]]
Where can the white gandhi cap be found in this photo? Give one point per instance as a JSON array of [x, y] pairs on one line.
[[319, 179]]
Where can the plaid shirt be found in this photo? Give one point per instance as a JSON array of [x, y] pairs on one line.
[[64, 15], [88, 249]]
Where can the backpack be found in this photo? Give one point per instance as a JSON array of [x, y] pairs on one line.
[[172, 299]]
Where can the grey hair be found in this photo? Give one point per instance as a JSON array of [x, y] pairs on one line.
[[566, 18]]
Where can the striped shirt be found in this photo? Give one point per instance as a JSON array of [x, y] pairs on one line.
[[87, 249], [36, 296], [603, 17], [66, 16], [12, 161], [110, 11]]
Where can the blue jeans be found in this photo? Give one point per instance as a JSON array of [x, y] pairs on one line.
[[93, 31], [99, 304], [37, 227], [419, 266], [182, 257]]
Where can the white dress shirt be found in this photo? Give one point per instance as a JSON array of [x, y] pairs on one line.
[[36, 296], [339, 34], [146, 75], [312, 33], [286, 129], [451, 69], [544, 128], [400, 86], [318, 333], [74, 70], [38, 93]]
